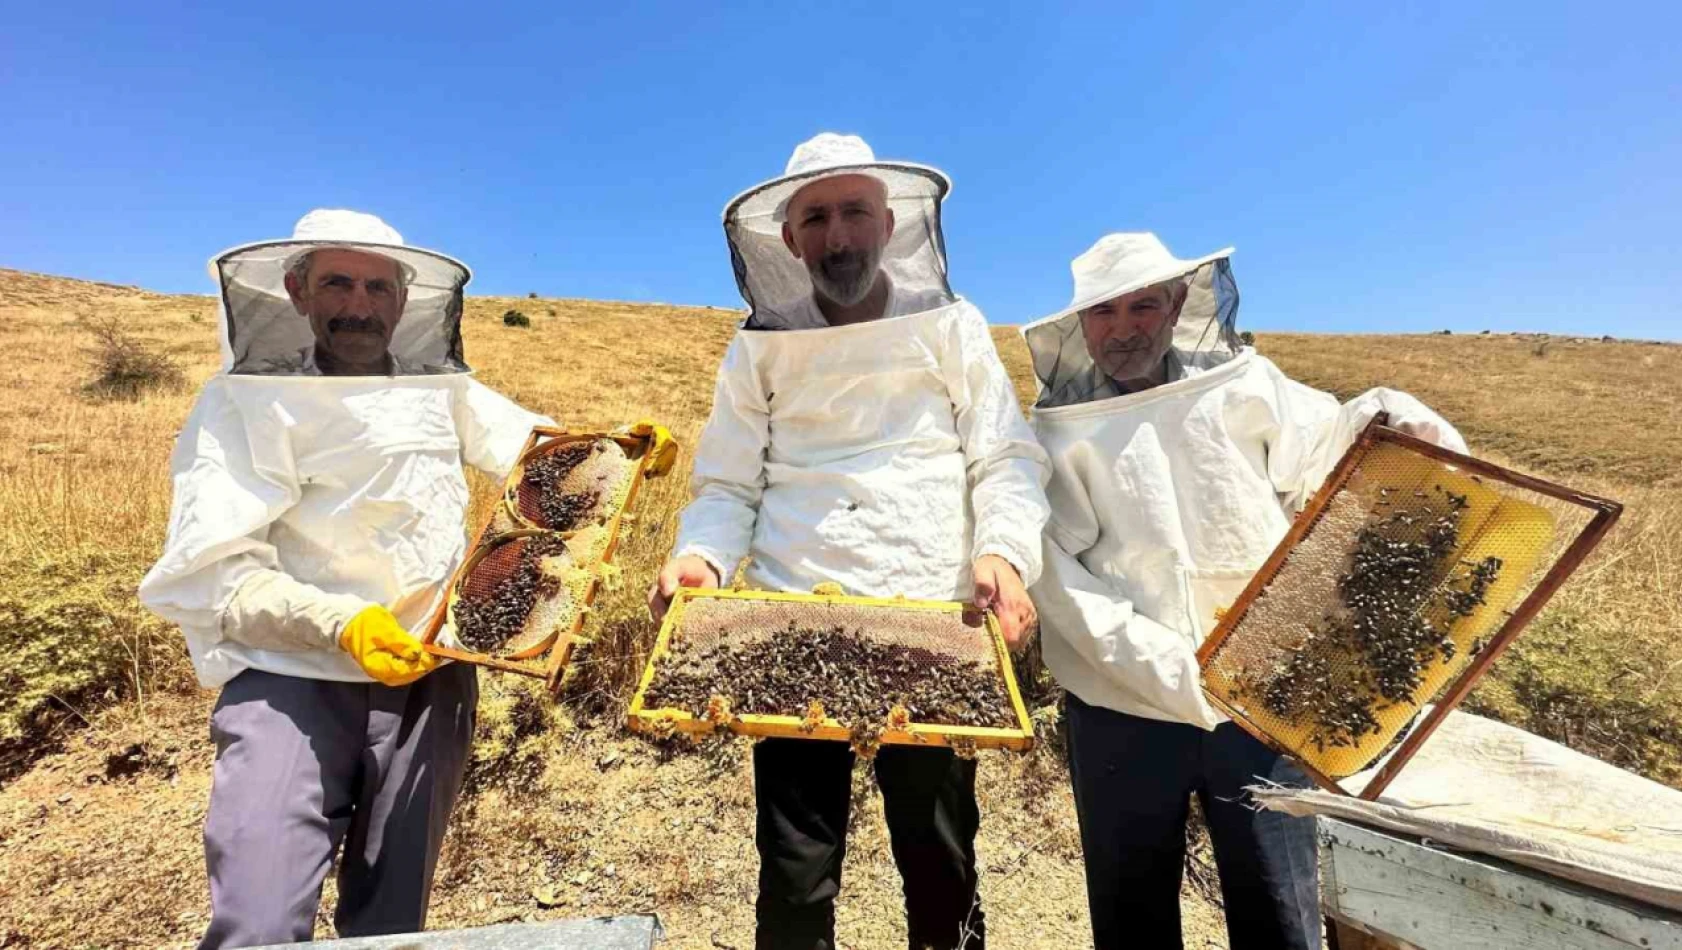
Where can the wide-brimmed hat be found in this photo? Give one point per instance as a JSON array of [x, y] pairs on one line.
[[764, 207], [1123, 262], [262, 332], [262, 265]]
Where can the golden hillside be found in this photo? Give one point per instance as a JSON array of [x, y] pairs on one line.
[[104, 758]]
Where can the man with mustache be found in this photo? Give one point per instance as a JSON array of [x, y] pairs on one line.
[[864, 434], [315, 524], [352, 330], [1178, 459]]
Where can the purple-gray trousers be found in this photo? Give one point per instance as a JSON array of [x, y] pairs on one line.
[[303, 766]]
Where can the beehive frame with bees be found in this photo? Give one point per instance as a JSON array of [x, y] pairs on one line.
[[930, 673], [554, 572], [1403, 579]]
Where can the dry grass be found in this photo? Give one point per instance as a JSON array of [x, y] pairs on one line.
[[1561, 405], [565, 815]]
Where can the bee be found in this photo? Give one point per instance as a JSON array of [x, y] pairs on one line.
[[718, 711], [815, 716], [899, 718]]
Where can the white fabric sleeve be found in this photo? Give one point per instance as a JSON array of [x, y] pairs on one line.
[[492, 429], [1151, 663], [272, 611], [1007, 468], [232, 478], [1314, 432], [729, 478]]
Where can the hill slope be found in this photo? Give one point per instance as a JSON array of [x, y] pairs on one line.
[[103, 749]]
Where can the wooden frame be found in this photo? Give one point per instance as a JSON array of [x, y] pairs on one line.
[[1605, 515], [531, 662], [641, 719]]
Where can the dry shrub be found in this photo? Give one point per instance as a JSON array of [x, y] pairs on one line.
[[126, 367]]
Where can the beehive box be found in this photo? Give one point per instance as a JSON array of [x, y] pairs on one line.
[[519, 601], [831, 667], [1404, 578]]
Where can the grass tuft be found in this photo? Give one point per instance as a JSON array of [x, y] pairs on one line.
[[124, 366]]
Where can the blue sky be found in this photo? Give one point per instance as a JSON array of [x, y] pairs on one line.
[[1380, 167]]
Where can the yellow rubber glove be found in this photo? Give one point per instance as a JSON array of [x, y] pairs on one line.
[[379, 644], [662, 450]]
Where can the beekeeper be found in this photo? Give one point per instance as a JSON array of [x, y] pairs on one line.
[[1179, 458], [318, 513], [864, 433]]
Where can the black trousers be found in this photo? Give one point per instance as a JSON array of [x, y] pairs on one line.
[[1134, 779], [803, 789]]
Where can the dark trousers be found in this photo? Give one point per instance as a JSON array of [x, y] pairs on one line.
[[1134, 779], [803, 789], [303, 766]]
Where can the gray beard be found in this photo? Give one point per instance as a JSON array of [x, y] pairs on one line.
[[848, 290]]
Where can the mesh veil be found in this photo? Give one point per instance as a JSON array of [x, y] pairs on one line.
[[266, 336], [1205, 337], [775, 284]]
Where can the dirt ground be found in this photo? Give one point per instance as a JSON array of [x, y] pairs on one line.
[[99, 844]]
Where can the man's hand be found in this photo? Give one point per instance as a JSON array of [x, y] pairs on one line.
[[999, 588], [378, 643], [690, 571]]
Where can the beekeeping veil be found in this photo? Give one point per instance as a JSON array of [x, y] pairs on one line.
[[1120, 264], [263, 334], [776, 284]]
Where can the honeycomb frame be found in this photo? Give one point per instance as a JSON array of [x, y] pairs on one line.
[[593, 547], [1441, 691], [664, 721]]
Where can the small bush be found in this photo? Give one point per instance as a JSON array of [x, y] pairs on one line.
[[126, 367], [1247, 338], [532, 295], [514, 318]]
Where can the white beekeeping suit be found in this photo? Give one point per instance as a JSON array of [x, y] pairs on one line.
[[886, 456], [1165, 501], [301, 499]]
